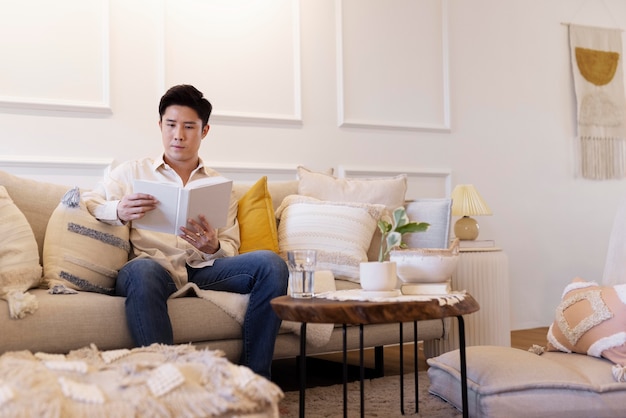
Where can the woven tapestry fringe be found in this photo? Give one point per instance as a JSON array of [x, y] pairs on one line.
[[602, 158]]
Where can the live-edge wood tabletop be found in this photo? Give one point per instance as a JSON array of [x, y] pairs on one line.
[[319, 310]]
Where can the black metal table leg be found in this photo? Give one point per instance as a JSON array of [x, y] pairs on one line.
[[463, 367], [401, 369], [302, 367], [345, 371], [415, 368], [362, 369]]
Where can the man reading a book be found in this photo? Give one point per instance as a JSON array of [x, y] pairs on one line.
[[162, 263]]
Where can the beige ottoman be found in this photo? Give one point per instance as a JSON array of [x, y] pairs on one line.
[[508, 382], [155, 381]]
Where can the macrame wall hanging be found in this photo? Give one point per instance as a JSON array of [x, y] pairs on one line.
[[596, 55]]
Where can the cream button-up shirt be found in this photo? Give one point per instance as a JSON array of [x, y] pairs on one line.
[[171, 251]]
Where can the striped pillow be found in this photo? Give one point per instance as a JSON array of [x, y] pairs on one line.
[[81, 252], [341, 232]]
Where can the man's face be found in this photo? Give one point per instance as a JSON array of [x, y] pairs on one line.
[[182, 134]]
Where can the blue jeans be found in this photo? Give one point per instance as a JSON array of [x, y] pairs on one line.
[[263, 274]]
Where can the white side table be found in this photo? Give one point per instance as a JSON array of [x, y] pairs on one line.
[[485, 275]]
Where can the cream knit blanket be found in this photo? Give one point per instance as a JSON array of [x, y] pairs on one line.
[[154, 381], [235, 305]]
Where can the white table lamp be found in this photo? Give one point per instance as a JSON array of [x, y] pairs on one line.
[[466, 202]]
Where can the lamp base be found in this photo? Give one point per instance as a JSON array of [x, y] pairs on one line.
[[466, 228]]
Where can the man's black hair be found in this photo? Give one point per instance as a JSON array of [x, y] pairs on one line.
[[186, 95]]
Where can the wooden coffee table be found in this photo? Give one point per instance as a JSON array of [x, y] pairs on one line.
[[354, 312]]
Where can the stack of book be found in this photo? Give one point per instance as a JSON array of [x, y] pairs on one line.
[[441, 288], [477, 245]]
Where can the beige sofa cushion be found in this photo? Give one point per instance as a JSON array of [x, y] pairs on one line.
[[388, 191], [67, 322], [19, 259], [36, 199], [508, 382]]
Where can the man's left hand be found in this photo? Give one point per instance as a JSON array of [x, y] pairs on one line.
[[201, 235]]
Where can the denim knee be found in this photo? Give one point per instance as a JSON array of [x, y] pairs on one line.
[[143, 275], [275, 268]]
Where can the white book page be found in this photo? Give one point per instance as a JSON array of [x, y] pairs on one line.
[[210, 198], [164, 217]]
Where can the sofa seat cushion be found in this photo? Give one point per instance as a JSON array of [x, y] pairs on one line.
[[508, 382], [65, 322]]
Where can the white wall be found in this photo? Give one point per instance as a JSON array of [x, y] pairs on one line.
[[272, 74]]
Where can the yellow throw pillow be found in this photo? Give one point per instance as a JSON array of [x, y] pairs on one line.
[[257, 223]]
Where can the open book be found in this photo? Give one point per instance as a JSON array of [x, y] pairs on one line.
[[209, 197]]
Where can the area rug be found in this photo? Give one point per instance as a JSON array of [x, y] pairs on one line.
[[382, 399]]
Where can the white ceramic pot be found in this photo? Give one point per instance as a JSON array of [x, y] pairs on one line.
[[378, 276]]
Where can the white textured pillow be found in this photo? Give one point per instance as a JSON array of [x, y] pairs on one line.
[[19, 258], [388, 191], [81, 252], [341, 232]]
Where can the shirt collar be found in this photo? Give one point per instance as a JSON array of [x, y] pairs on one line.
[[160, 162]]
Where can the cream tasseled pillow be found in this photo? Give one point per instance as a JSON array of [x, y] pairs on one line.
[[81, 252], [341, 232], [388, 191], [19, 259]]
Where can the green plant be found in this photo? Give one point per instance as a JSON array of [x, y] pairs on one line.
[[392, 231]]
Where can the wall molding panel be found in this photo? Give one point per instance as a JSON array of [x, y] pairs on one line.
[[412, 90], [250, 173], [53, 69], [247, 82], [77, 171]]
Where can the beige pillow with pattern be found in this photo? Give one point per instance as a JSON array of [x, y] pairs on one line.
[[81, 252]]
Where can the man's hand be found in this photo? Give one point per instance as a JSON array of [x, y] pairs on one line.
[[134, 206], [201, 235]]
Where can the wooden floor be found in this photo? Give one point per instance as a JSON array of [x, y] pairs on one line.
[[326, 370]]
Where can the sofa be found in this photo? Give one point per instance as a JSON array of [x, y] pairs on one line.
[[63, 322]]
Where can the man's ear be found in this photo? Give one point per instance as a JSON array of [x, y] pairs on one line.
[[205, 130]]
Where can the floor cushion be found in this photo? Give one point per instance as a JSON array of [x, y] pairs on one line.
[[509, 382]]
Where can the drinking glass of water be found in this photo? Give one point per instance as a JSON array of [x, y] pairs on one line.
[[301, 272]]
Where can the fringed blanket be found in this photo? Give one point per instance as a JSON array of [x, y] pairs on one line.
[[235, 305], [155, 381], [596, 55], [363, 295]]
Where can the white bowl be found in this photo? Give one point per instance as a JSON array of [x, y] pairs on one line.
[[416, 266]]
